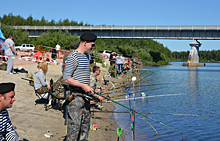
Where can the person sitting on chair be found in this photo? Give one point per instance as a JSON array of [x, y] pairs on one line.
[[40, 82]]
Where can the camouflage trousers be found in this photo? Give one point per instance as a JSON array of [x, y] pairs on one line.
[[57, 93], [78, 126]]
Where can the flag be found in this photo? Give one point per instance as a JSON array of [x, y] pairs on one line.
[[2, 39]]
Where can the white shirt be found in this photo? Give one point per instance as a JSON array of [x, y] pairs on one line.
[[120, 60], [8, 43], [57, 47]]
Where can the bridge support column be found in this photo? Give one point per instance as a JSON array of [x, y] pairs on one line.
[[193, 59]]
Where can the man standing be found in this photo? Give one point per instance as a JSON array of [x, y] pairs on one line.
[[112, 58], [58, 51], [119, 61], [77, 75], [7, 97], [74, 46], [10, 51]]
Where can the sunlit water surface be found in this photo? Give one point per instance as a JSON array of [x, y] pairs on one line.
[[197, 93]]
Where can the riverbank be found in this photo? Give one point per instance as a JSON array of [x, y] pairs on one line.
[[32, 121]]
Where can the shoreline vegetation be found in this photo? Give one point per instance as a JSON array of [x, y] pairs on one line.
[[204, 56]]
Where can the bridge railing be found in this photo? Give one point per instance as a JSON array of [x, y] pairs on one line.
[[118, 27]]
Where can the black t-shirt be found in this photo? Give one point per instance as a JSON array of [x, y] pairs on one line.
[[111, 56]]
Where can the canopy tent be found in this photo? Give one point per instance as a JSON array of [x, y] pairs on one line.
[[38, 55]]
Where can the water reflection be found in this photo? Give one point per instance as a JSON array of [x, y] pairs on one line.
[[193, 79]]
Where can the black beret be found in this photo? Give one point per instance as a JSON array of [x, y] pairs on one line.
[[75, 45], [6, 87], [89, 37]]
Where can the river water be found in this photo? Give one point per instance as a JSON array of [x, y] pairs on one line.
[[185, 99]]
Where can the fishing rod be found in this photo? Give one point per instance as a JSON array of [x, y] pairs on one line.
[[141, 89], [145, 116], [123, 94], [153, 84], [135, 89], [136, 81], [122, 85], [123, 112], [132, 128], [128, 82], [133, 116], [123, 91], [174, 114], [143, 97]]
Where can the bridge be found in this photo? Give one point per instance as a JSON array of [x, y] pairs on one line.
[[141, 32], [150, 32]]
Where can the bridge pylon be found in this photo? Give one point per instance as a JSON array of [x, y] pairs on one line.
[[193, 59]]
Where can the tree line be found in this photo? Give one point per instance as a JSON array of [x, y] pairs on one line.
[[204, 56], [151, 52], [12, 20]]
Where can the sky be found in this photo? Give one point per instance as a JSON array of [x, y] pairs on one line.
[[126, 13]]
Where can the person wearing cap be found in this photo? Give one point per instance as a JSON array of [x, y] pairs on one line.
[[77, 75], [7, 98]]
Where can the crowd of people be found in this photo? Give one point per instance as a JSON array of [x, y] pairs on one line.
[[77, 80], [119, 65]]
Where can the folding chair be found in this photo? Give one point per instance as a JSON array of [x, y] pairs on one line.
[[43, 99], [50, 99]]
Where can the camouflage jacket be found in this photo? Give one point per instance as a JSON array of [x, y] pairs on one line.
[[93, 81]]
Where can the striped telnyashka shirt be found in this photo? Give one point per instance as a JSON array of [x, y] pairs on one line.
[[6, 129], [77, 67]]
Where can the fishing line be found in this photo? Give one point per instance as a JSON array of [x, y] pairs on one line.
[[150, 125], [147, 117]]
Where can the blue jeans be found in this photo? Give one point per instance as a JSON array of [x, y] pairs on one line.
[[119, 67]]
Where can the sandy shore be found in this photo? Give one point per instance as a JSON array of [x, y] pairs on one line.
[[32, 121]]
